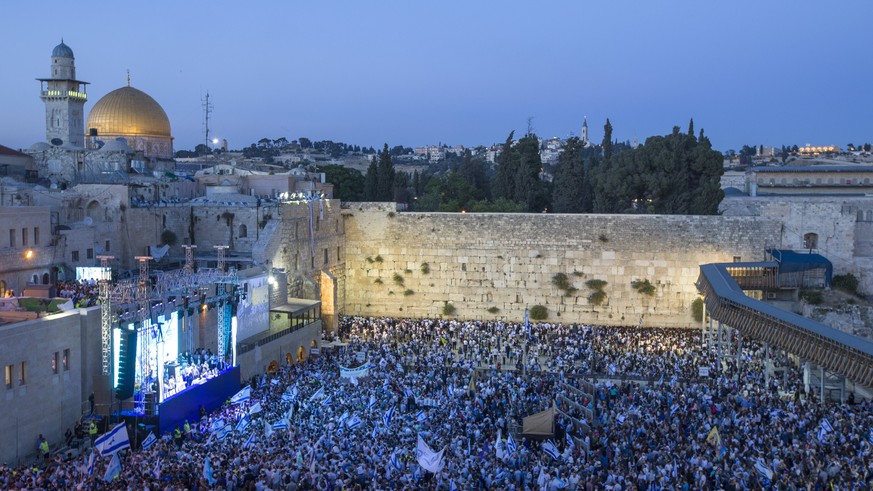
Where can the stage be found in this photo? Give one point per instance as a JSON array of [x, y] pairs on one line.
[[185, 405]]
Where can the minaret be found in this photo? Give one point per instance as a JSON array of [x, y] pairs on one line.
[[64, 99], [585, 131]]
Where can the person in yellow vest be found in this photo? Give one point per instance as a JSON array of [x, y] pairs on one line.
[[187, 427], [177, 436], [92, 431], [43, 447]]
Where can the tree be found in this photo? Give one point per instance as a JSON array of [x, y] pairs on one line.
[[372, 182], [305, 142], [569, 195], [691, 127], [265, 143], [606, 145], [474, 171], [385, 179], [348, 184], [201, 149], [503, 183]]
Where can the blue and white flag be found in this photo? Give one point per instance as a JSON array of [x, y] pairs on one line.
[[826, 425], [396, 462], [113, 441], [386, 418], [256, 408], [282, 424], [343, 417], [156, 472], [559, 483], [242, 396], [421, 416], [408, 393], [318, 393], [91, 463], [354, 422], [501, 473], [387, 384], [250, 440], [550, 448], [570, 441], [275, 381], [327, 400], [452, 486], [428, 459], [216, 425], [763, 469], [243, 424], [373, 402], [207, 472], [287, 398], [510, 444], [222, 433], [527, 323], [113, 469], [149, 441]]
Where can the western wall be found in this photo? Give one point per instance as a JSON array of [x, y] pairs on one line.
[[412, 264]]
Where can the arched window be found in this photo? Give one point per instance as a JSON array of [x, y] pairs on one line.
[[45, 278], [810, 241], [243, 231], [860, 216]]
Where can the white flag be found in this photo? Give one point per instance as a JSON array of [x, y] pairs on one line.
[[427, 458]]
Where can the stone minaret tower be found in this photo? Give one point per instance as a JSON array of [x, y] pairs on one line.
[[64, 99], [585, 131]]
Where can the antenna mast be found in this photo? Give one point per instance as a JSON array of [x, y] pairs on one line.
[[207, 108]]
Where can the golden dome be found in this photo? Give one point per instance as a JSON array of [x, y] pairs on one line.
[[128, 112]]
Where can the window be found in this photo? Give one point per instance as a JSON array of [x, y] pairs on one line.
[[11, 237], [24, 237], [9, 375], [55, 363], [36, 236], [738, 259], [243, 231], [106, 249], [90, 253], [326, 258], [74, 256], [22, 380], [66, 360], [810, 241]]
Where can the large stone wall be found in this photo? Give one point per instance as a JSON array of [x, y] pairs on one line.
[[508, 261]]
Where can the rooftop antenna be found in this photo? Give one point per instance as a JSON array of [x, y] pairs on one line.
[[207, 108]]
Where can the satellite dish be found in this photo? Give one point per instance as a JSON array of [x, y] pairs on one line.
[[57, 142], [88, 221]]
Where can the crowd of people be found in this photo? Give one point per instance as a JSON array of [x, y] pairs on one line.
[[634, 410], [83, 293]]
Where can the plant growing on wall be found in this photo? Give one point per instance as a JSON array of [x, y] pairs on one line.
[[644, 287], [539, 312], [561, 281], [697, 309], [369, 259], [168, 237], [378, 281], [425, 268], [493, 310], [408, 292], [398, 278], [379, 259], [448, 309], [597, 296]]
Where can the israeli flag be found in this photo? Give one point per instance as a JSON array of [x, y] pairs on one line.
[[327, 400], [408, 393], [318, 393], [570, 441], [510, 444], [216, 425], [826, 425], [354, 422], [113, 441], [387, 384], [550, 448], [243, 423], [256, 408], [395, 462], [344, 417], [242, 396], [527, 323], [149, 441], [375, 431], [275, 381], [763, 470], [386, 418], [287, 398], [372, 403], [207, 472], [282, 424], [222, 433], [250, 440], [501, 473], [91, 464], [421, 416], [559, 483], [113, 469]]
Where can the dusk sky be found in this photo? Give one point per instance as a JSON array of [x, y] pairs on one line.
[[459, 72]]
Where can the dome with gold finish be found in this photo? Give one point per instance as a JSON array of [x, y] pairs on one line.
[[131, 114]]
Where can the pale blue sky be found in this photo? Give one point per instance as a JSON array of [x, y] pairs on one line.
[[459, 72]]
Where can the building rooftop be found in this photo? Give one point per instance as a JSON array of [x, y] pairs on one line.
[[813, 168]]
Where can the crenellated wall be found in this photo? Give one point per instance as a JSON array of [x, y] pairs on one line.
[[508, 261]]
